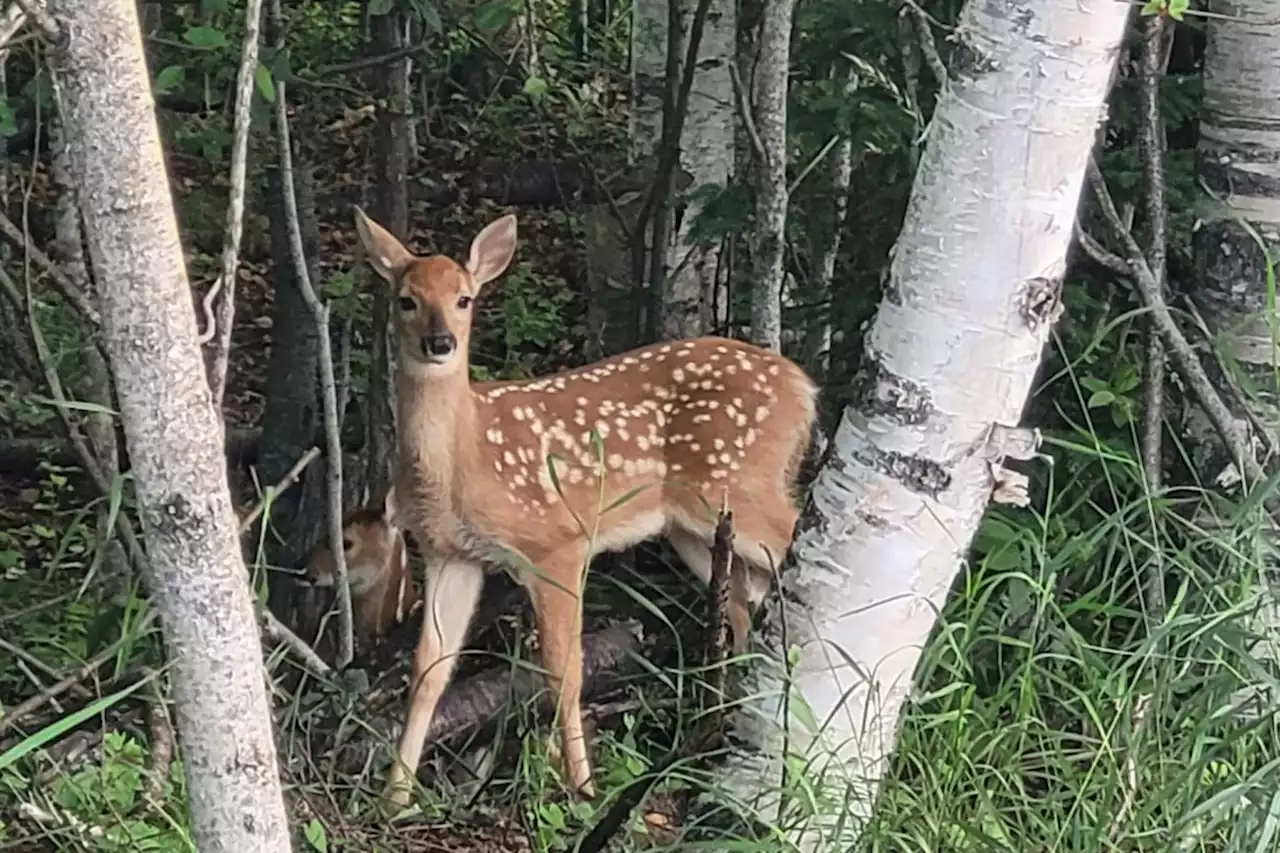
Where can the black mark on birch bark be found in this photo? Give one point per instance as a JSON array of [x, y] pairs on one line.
[[1040, 302], [920, 475], [878, 391], [970, 61], [1228, 263], [1226, 170]]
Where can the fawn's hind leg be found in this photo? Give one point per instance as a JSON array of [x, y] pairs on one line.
[[555, 586]]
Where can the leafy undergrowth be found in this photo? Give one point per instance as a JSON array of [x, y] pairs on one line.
[[1057, 712]]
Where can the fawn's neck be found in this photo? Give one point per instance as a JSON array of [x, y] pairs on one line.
[[437, 419]]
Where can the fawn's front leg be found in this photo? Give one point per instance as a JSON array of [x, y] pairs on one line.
[[452, 590], [556, 587]]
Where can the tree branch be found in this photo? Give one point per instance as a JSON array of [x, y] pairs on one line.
[[320, 312], [78, 299], [219, 329], [1188, 366]]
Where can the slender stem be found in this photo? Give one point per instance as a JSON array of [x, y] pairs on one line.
[[328, 390]]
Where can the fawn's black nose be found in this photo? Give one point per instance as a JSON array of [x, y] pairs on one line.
[[438, 344]]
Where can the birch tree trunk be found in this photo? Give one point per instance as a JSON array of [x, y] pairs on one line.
[[174, 437], [973, 290], [1238, 166], [706, 152], [771, 184]]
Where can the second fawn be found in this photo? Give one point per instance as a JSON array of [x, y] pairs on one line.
[[382, 591], [511, 473]]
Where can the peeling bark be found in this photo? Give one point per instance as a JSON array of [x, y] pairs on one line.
[[195, 571], [972, 294]]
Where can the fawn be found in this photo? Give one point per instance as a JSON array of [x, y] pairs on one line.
[[509, 473], [382, 591]]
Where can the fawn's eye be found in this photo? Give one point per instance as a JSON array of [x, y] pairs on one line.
[[347, 544], [407, 304], [464, 302]]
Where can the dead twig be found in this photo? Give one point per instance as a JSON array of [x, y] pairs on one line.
[[160, 740], [78, 299], [276, 631], [219, 329], [16, 714], [745, 112], [91, 464], [320, 311], [928, 46], [23, 655], [1155, 56], [36, 11], [1179, 350], [12, 20], [273, 492]]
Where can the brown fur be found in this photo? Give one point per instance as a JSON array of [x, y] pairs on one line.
[[684, 425], [382, 590]]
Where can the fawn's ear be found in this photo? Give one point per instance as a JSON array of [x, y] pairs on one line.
[[389, 508], [387, 255], [492, 250]]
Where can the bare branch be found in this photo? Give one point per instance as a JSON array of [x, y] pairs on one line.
[[90, 462], [12, 20], [1151, 145], [928, 46], [220, 329], [79, 299], [1189, 367], [273, 492], [333, 443], [275, 630], [745, 113], [1099, 253], [36, 11]]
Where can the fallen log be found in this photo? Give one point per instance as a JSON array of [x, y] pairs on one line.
[[472, 706]]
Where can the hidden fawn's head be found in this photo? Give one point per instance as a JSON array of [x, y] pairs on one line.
[[435, 296], [370, 543]]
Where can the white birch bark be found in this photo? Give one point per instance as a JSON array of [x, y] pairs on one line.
[[196, 575], [771, 184], [648, 71], [973, 291], [1238, 234], [706, 153]]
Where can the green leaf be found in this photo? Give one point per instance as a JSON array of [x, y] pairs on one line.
[[1178, 8], [381, 7], [75, 405], [535, 87], [1152, 7], [493, 16], [429, 14], [1093, 383], [8, 121], [170, 77], [315, 834], [1101, 398], [207, 38], [266, 83]]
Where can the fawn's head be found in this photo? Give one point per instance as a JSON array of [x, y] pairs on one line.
[[435, 295], [370, 542]]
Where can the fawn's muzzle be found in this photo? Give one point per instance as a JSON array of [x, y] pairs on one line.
[[439, 345]]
